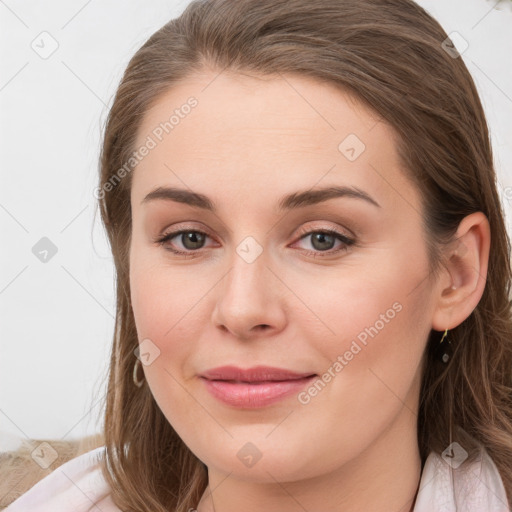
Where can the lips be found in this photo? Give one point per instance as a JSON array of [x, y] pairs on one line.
[[256, 387], [255, 374]]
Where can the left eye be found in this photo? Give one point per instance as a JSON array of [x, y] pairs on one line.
[[322, 241]]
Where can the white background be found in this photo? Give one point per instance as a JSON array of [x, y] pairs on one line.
[[57, 317]]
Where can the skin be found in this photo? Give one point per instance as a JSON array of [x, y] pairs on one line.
[[249, 142]]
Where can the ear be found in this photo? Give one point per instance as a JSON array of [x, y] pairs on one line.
[[462, 286]]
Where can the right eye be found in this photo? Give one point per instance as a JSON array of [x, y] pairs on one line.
[[191, 239]]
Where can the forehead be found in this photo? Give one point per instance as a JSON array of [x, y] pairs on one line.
[[244, 133], [262, 107]]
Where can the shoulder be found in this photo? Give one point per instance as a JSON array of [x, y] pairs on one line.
[[77, 485], [450, 483]]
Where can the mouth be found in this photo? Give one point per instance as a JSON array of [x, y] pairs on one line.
[[254, 388], [254, 375]]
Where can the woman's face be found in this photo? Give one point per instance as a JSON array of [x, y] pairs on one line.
[[262, 285]]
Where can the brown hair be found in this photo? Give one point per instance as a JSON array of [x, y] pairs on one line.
[[389, 54]]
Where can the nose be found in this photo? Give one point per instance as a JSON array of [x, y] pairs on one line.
[[249, 300]]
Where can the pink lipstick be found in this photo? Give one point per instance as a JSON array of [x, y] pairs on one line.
[[254, 387]]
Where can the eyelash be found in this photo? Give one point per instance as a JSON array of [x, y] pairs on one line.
[[347, 242]]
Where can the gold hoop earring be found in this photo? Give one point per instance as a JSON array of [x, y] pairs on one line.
[[136, 381]]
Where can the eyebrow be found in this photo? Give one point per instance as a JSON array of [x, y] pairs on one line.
[[292, 201]]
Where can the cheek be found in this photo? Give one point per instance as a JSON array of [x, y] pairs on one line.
[[163, 296], [168, 310], [164, 313], [372, 359], [370, 329]]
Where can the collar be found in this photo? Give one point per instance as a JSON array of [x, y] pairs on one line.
[[451, 482]]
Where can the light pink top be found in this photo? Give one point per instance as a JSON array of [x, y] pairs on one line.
[[79, 486]]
